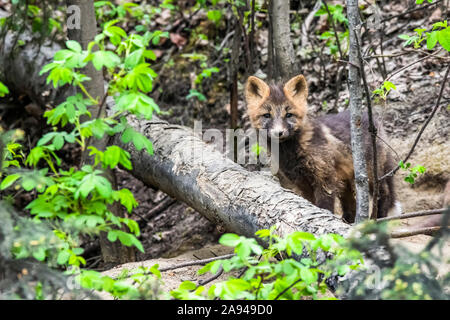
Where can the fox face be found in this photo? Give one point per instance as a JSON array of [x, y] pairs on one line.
[[280, 109]]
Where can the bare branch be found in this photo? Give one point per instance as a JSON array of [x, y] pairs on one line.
[[419, 135], [409, 233], [413, 214]]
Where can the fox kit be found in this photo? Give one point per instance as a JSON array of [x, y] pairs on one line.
[[315, 158]]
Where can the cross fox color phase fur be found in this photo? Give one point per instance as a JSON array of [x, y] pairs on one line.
[[315, 158]]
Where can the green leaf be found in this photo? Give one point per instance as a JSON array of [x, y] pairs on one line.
[[126, 198], [111, 156], [307, 275], [229, 239], [9, 180], [39, 254], [94, 181], [134, 58], [243, 250], [214, 15], [112, 235], [432, 39], [73, 45], [104, 58], [303, 236], [35, 155], [188, 285], [196, 94], [389, 86], [139, 140], [155, 270], [3, 90], [137, 103], [63, 257], [444, 38]]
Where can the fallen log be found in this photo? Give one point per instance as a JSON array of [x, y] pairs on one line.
[[192, 171]]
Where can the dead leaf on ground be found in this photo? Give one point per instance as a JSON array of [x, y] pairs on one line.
[[178, 40]]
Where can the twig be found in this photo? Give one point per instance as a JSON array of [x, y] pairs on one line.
[[249, 60], [410, 11], [426, 53], [409, 65], [212, 278], [348, 62], [188, 264], [341, 55], [163, 205], [384, 72], [287, 288], [409, 233], [413, 214], [252, 32], [402, 53], [335, 30], [307, 23], [389, 146], [197, 262], [444, 81], [393, 55]]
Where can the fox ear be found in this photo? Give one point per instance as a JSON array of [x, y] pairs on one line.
[[296, 90], [256, 91]]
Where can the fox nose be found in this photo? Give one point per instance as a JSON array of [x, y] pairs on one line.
[[278, 133]]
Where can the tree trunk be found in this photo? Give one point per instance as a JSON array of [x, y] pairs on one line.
[[284, 55], [354, 81], [112, 252]]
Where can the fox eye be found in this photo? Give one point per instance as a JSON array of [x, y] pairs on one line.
[[289, 115], [266, 115]]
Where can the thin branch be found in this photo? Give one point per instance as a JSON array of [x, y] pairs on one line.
[[413, 214], [436, 106], [212, 278], [188, 264], [403, 234], [402, 53], [197, 262], [335, 30], [341, 55], [307, 22], [409, 65], [389, 146], [287, 288], [160, 207], [249, 60], [410, 11]]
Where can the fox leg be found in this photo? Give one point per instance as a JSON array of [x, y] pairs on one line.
[[324, 199], [348, 202]]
